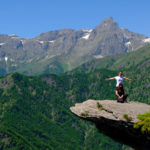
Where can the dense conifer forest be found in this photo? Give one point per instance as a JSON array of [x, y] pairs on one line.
[[35, 114]]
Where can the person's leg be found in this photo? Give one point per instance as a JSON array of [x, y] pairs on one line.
[[125, 97], [120, 100]]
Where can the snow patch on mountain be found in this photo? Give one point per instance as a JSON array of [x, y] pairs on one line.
[[87, 34], [128, 43], [87, 30], [51, 41], [14, 37], [23, 41], [6, 59], [50, 56], [98, 56], [146, 40], [42, 42], [2, 44]]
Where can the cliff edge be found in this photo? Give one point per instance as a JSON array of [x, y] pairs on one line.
[[116, 120]]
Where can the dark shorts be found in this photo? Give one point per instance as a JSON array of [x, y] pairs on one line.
[[122, 100]]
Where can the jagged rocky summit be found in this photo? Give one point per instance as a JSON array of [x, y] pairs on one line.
[[116, 120], [62, 50]]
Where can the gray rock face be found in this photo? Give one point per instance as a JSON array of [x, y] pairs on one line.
[[67, 46], [116, 120]]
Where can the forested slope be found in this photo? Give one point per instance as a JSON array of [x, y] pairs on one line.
[[34, 111]]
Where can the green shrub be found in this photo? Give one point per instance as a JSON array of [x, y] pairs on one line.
[[85, 114], [99, 106], [144, 123], [127, 118]]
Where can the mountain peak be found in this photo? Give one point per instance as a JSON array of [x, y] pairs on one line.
[[108, 24], [108, 20]]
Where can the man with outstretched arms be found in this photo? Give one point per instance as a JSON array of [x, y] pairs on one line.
[[119, 79]]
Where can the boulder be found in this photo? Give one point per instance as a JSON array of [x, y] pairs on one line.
[[116, 120]]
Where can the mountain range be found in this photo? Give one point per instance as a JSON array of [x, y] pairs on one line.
[[135, 59], [62, 50]]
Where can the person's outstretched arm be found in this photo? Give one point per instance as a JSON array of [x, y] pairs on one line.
[[110, 78], [128, 79]]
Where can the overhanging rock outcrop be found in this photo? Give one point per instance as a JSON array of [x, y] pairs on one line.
[[116, 120]]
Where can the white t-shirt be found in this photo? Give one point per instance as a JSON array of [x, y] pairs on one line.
[[119, 80]]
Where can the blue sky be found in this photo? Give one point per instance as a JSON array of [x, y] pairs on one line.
[[29, 18]]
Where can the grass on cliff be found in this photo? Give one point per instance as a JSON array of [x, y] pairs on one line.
[[127, 118]]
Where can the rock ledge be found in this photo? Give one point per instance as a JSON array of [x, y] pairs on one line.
[[109, 117]]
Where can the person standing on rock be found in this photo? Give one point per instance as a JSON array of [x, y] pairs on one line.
[[119, 79]]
